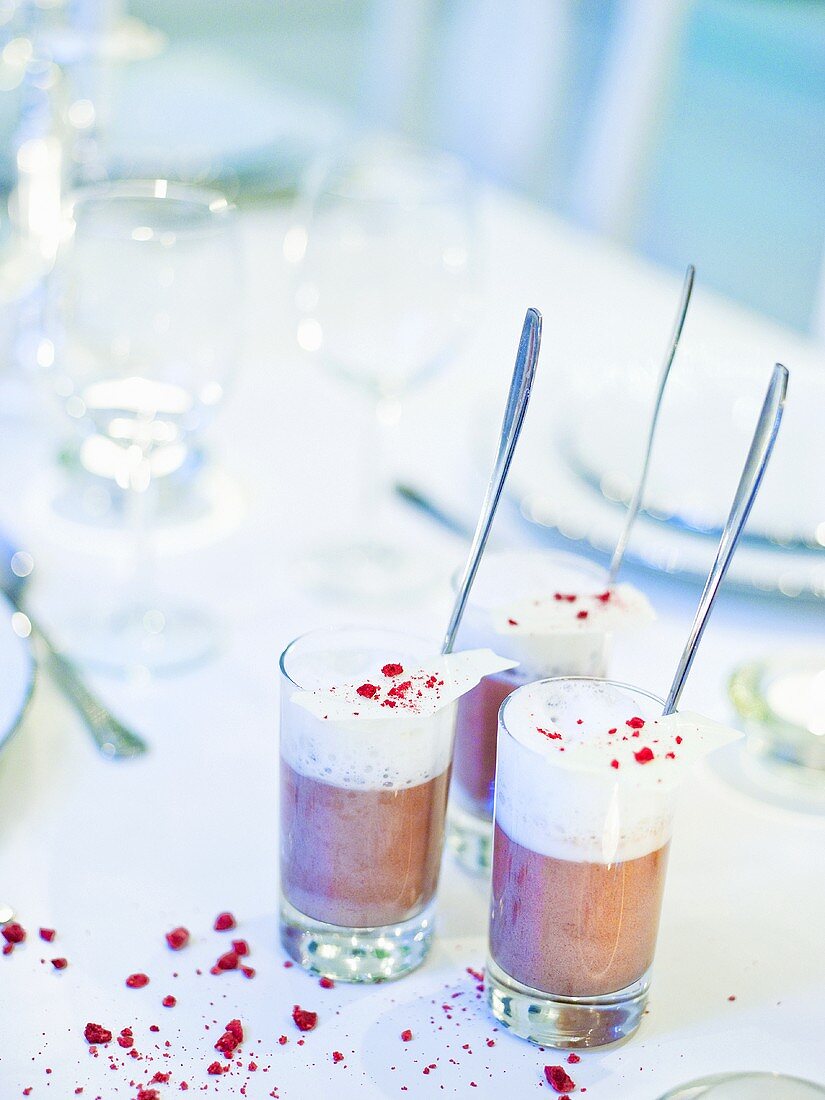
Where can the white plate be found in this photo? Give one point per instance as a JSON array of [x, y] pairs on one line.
[[16, 674], [708, 416], [552, 495]]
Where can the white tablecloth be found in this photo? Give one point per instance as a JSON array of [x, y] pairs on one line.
[[114, 855]]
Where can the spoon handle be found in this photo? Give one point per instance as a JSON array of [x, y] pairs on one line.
[[112, 738], [638, 493], [755, 465], [519, 396]]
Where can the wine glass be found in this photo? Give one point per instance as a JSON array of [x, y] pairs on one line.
[[385, 286], [143, 315]]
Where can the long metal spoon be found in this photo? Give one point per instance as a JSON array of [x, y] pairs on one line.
[[108, 732], [519, 396], [755, 465], [638, 494]]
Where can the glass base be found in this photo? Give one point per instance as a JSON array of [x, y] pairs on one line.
[[565, 1021], [747, 1086], [470, 839], [365, 572], [135, 639], [357, 954]]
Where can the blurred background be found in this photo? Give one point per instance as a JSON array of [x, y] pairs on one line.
[[691, 131]]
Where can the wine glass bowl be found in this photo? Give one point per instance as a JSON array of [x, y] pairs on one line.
[[385, 289], [142, 320]]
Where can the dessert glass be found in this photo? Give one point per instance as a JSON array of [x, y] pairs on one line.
[[363, 805], [587, 773], [506, 578]]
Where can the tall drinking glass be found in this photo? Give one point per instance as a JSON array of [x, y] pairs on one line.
[[587, 775], [562, 645], [385, 286], [143, 320], [362, 809]]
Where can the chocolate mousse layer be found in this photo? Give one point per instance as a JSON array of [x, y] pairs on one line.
[[574, 929], [476, 734], [360, 858]]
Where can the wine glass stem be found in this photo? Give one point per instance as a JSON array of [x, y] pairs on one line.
[[143, 568], [376, 446]]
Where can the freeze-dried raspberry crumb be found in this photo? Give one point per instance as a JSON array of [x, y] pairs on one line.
[[227, 961], [644, 755], [177, 938], [240, 947], [252, 1067], [732, 997], [582, 614], [612, 730], [558, 1079], [60, 964], [513, 622], [125, 1041], [154, 1027], [224, 921], [406, 1035], [147, 1094], [137, 981], [47, 934], [226, 1044], [8, 948], [614, 763], [603, 597], [678, 739], [235, 1028], [477, 974], [367, 691], [392, 669], [248, 971], [337, 1056], [95, 1033], [551, 735], [216, 1068], [14, 933], [635, 723], [160, 1078], [304, 1019], [326, 983], [573, 1059], [670, 756], [169, 1001], [283, 1040]]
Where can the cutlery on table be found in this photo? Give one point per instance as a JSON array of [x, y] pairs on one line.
[[109, 734]]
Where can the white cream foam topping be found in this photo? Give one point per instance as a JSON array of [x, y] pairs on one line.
[[618, 608], [568, 787], [513, 608], [396, 734]]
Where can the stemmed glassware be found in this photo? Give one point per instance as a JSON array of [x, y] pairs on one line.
[[385, 282], [143, 316]]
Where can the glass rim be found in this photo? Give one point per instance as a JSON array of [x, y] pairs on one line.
[[330, 630], [571, 679], [550, 552], [211, 198]]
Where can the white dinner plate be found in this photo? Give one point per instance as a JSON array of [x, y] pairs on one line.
[[16, 674], [552, 495]]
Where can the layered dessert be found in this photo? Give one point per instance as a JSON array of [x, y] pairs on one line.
[[587, 771], [365, 764], [554, 614]]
